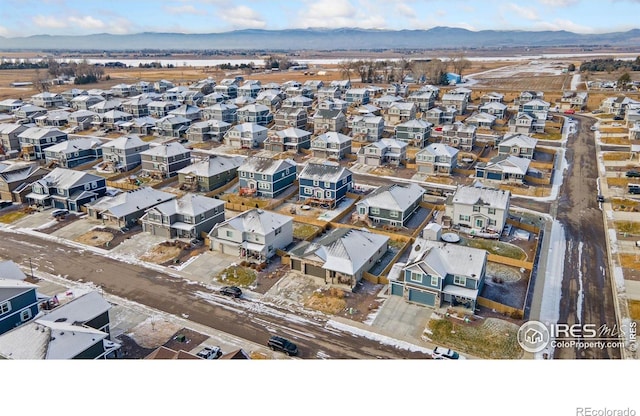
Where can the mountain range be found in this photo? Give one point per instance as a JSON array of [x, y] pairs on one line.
[[323, 39]]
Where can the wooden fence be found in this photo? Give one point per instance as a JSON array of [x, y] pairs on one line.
[[465, 172], [541, 165], [499, 307], [222, 189], [122, 185], [523, 225], [538, 181], [508, 261], [165, 182], [407, 246]]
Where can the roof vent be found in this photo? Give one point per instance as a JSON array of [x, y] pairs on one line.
[[61, 320]]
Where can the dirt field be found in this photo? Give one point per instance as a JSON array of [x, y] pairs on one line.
[[95, 238], [161, 254]]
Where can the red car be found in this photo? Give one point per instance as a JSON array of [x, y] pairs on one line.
[[570, 111]]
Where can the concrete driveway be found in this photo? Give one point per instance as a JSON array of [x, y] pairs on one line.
[[402, 319], [207, 265]]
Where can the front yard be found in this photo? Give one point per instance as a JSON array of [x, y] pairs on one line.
[[495, 247], [237, 276]]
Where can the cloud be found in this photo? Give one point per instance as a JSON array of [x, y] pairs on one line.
[[4, 31], [49, 22], [524, 12], [244, 17], [186, 9], [564, 24], [331, 9], [86, 22], [405, 10], [558, 3], [341, 13]]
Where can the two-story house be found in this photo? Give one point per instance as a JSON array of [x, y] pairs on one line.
[[111, 119], [327, 118], [29, 113], [228, 87], [213, 98], [161, 109], [340, 257], [289, 139], [331, 145], [172, 126], [106, 105], [526, 96], [435, 275], [481, 120], [123, 90], [439, 116], [492, 97], [10, 105], [142, 126], [246, 136], [203, 131], [222, 112], [53, 118], [324, 184], [189, 112], [480, 208], [437, 159], [74, 152], [204, 86], [9, 139], [165, 160], [385, 101], [423, 100], [137, 106], [18, 299], [266, 177], [328, 93], [190, 216], [518, 145], [291, 117], [15, 180], [272, 99], [66, 189], [123, 153], [47, 99], [459, 135], [357, 96], [504, 168], [210, 173], [85, 102], [392, 205], [126, 208], [255, 113], [253, 235], [494, 108], [366, 128], [414, 132], [400, 112], [35, 140], [384, 151], [459, 101], [81, 119]]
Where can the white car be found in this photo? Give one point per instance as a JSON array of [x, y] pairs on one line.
[[440, 353], [210, 353]]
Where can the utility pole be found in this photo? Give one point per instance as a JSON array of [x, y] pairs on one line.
[[31, 267]]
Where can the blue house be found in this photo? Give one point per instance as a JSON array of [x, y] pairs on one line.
[[324, 184], [18, 299], [266, 177], [66, 188], [75, 152], [438, 273]]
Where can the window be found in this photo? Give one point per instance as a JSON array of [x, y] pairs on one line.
[[94, 185], [251, 175], [393, 214], [229, 233], [491, 211], [416, 277], [375, 210], [434, 281], [464, 218], [492, 222], [307, 191], [5, 307], [25, 315], [315, 183], [278, 230], [476, 208], [243, 174], [459, 280], [327, 184]]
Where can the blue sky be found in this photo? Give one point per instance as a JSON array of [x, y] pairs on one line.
[[74, 17]]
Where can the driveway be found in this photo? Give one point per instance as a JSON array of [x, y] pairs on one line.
[[402, 319]]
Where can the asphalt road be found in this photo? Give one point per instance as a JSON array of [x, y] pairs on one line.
[[586, 267], [251, 320]]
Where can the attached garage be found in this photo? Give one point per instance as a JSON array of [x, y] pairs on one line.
[[316, 271], [296, 265], [372, 161], [424, 298], [497, 176], [397, 289]]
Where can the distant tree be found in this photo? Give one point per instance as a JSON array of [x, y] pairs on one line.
[[571, 68], [345, 68], [40, 81], [459, 63], [624, 81]]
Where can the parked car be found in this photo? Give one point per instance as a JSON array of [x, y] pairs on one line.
[[617, 118], [600, 198], [210, 353], [570, 111], [5, 203], [57, 213], [440, 353], [633, 174], [594, 128], [283, 345], [231, 291]]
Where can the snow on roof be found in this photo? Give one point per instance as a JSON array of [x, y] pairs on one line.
[[126, 142], [265, 165], [40, 132], [470, 195], [18, 172], [537, 102], [494, 105], [75, 145], [440, 149], [126, 203], [67, 178], [481, 117], [394, 197], [213, 165], [185, 109], [257, 221], [519, 140], [166, 150], [10, 270], [10, 128], [190, 205], [510, 164], [333, 137], [324, 172], [249, 128], [435, 257], [80, 310], [293, 132], [415, 123]]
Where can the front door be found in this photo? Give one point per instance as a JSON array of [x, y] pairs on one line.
[[479, 223], [319, 193]]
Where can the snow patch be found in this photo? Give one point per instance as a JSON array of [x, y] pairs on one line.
[[377, 337]]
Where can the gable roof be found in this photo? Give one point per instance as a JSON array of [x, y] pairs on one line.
[[324, 172], [509, 164], [440, 149], [75, 145], [394, 197], [333, 137], [40, 132], [471, 195], [19, 172], [126, 142], [126, 203], [79, 310], [190, 205], [520, 140], [67, 178], [10, 271], [213, 165], [256, 221], [415, 123], [166, 150], [265, 165], [442, 259]]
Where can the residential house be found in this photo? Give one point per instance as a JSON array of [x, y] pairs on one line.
[[480, 208], [423, 100], [29, 113], [357, 96], [435, 274], [189, 112], [291, 117], [271, 99], [324, 184], [439, 116], [414, 132], [35, 140], [299, 91], [16, 179], [392, 205], [575, 100], [10, 105], [162, 86], [437, 159], [481, 120], [242, 101], [522, 123], [123, 90], [518, 145], [494, 108], [89, 310], [210, 173], [74, 152], [401, 112], [342, 85], [164, 353], [9, 139], [172, 126], [137, 106], [165, 160], [53, 118], [289, 139], [492, 97], [123, 153], [227, 87], [459, 135], [367, 128], [187, 217], [340, 257], [504, 168], [111, 119], [222, 112], [213, 98], [368, 110], [384, 151], [538, 110], [273, 86], [204, 131], [81, 119], [526, 96], [205, 86], [246, 135], [255, 113], [250, 88], [298, 101], [385, 101], [328, 93], [141, 126], [253, 235], [126, 208], [191, 98], [106, 94], [266, 177], [47, 99], [457, 100], [106, 105], [174, 94], [66, 189], [331, 145], [313, 84], [161, 109], [143, 87], [18, 300], [84, 102]]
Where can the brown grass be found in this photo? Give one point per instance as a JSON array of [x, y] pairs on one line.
[[331, 301], [13, 216], [161, 254], [618, 182], [634, 309], [615, 140], [630, 261], [627, 227], [95, 238], [617, 156]]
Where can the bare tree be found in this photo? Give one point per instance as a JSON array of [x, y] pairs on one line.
[[345, 68], [434, 70], [40, 82], [459, 63]]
